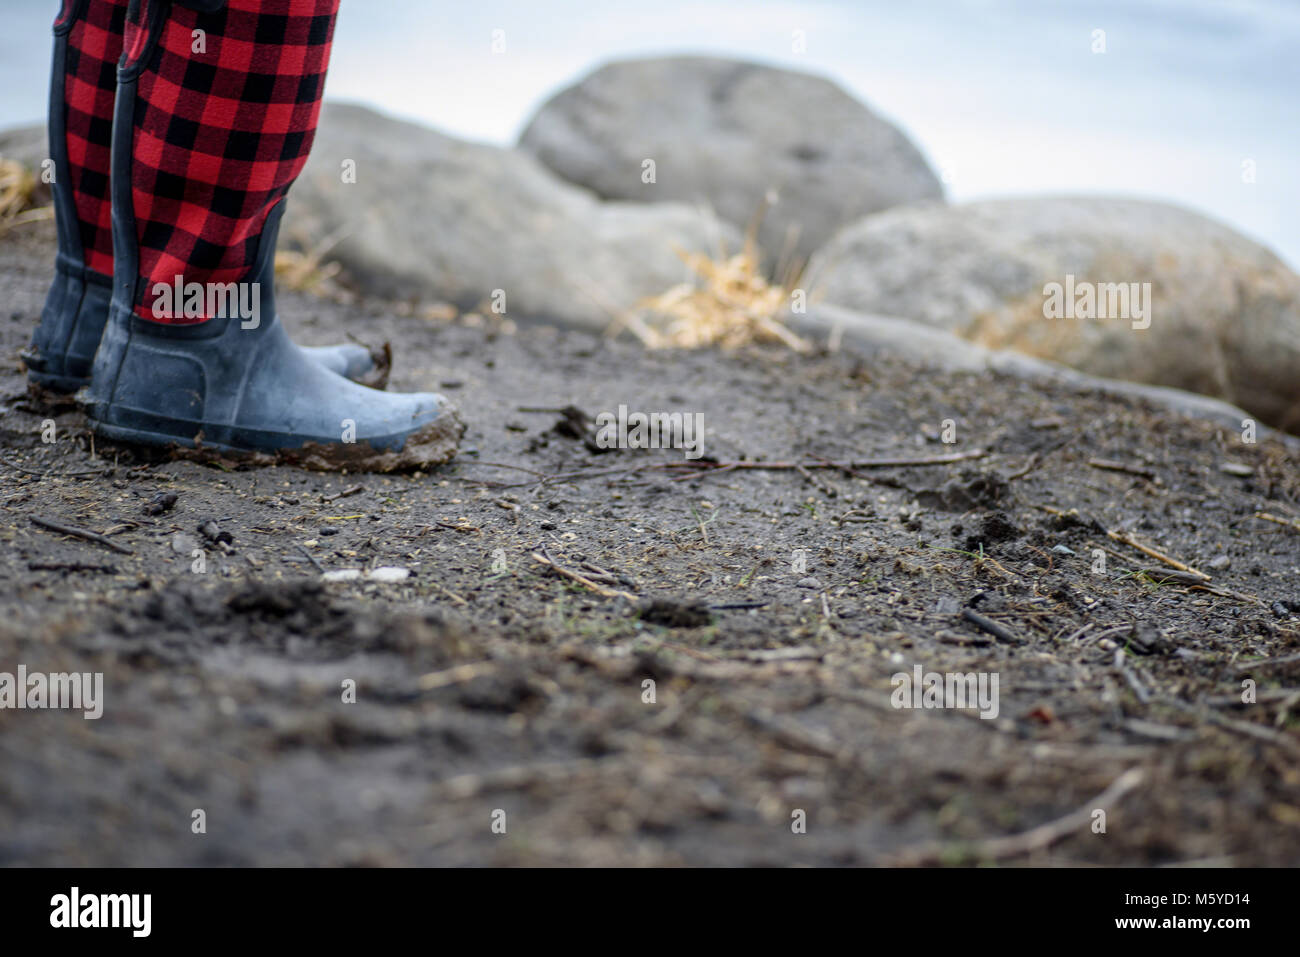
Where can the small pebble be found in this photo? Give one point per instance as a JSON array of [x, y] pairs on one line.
[[342, 575], [389, 573]]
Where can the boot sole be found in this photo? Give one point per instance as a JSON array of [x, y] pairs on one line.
[[432, 444], [63, 384]]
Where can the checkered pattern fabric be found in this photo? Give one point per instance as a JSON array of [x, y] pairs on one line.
[[226, 109], [90, 78]]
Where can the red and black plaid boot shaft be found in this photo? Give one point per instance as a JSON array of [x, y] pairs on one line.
[[83, 78], [224, 112], [94, 46]]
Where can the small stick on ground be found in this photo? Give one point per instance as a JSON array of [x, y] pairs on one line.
[[26, 471], [455, 675], [1035, 839], [75, 532], [352, 490], [691, 475], [1130, 677], [1029, 467], [71, 567], [451, 594], [715, 468], [1125, 539], [1109, 465], [578, 577], [1289, 523], [989, 625], [311, 558], [502, 465], [816, 482], [1250, 729], [1245, 666]]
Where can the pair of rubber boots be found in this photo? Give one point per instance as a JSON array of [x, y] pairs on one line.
[[234, 384]]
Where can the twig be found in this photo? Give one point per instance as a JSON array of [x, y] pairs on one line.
[[1037, 459], [1035, 839], [311, 558], [580, 578], [1245, 666], [1125, 539], [450, 594], [343, 494], [816, 482], [71, 567], [989, 625], [502, 465], [72, 530], [1143, 695], [455, 675], [1278, 521], [26, 471], [714, 468], [1029, 467], [690, 475], [1109, 465], [1162, 577]]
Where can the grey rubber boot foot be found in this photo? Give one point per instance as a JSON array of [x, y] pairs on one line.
[[64, 343], [240, 389]]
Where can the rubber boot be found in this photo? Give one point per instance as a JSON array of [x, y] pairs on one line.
[[242, 390], [72, 321]]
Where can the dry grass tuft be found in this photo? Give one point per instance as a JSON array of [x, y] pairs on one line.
[[730, 303], [18, 187], [307, 271]]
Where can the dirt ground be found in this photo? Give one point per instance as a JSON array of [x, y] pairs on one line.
[[491, 688]]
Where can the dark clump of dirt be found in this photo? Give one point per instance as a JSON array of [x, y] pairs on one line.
[[675, 614], [994, 528], [972, 490], [642, 659]]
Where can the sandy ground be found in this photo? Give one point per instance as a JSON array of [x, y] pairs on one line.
[[769, 609]]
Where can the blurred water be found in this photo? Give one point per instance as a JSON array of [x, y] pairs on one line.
[[1003, 97]]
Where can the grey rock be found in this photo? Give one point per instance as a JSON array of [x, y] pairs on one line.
[[183, 543], [947, 606], [1225, 312], [873, 335], [430, 215], [726, 132], [26, 144]]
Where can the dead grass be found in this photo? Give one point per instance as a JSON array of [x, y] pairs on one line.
[[18, 186], [305, 269], [729, 303]]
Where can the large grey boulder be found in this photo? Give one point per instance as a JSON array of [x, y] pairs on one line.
[[430, 215], [725, 133], [1224, 312], [25, 144], [875, 335]]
